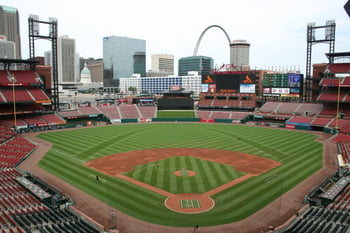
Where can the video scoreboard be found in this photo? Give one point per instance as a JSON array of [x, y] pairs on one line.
[[235, 82], [281, 84]]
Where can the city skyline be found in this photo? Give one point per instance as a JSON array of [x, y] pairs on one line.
[[276, 30]]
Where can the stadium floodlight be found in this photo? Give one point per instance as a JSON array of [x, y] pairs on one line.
[[312, 35], [52, 19], [35, 21], [329, 30]]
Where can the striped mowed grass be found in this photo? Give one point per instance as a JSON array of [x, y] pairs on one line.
[[160, 174], [298, 152]]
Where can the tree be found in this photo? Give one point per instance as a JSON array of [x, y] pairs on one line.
[[133, 90]]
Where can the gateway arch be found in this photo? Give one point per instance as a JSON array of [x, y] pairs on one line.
[[201, 36]]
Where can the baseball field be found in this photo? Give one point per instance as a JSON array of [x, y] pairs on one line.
[[181, 174]]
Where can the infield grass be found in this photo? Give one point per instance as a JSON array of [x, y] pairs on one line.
[[299, 153]]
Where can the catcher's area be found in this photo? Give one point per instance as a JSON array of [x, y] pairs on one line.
[[275, 214]]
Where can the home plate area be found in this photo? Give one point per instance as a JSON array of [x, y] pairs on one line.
[[189, 204]]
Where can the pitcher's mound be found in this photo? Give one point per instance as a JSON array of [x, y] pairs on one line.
[[184, 173]]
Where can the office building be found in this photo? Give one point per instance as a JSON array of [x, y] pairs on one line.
[[203, 65], [158, 85], [9, 27], [66, 59], [239, 54], [122, 57], [7, 48], [48, 58], [163, 63]]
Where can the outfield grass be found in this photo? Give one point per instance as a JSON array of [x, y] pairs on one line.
[[175, 114], [298, 152]]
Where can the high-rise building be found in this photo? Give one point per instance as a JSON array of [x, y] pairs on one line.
[[122, 57], [9, 27], [7, 48], [163, 63], [66, 59], [48, 58], [239, 54], [203, 65]]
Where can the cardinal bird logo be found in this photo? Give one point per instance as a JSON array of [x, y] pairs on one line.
[[208, 80], [247, 80]]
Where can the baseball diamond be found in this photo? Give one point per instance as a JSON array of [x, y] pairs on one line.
[[235, 198]]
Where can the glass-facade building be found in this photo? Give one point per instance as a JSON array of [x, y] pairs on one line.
[[158, 85], [122, 57], [9, 27], [203, 65]]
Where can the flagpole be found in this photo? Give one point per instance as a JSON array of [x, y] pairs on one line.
[[14, 102], [337, 117]]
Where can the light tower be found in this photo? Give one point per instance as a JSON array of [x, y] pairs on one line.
[[33, 22], [311, 40]]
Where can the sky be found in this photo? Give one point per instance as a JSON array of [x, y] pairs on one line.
[[275, 29]]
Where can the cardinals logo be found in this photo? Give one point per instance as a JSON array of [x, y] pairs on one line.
[[208, 79], [247, 80]]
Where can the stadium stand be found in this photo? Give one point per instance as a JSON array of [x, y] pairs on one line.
[[21, 95], [270, 107], [331, 96], [309, 109], [110, 111], [129, 111], [203, 114], [330, 82], [318, 121], [298, 119], [88, 110], [20, 209], [220, 115], [288, 107], [148, 111], [53, 119]]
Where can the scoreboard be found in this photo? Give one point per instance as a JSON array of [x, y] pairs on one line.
[[230, 82], [281, 84]]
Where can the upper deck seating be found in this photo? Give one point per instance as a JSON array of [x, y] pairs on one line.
[[20, 95]]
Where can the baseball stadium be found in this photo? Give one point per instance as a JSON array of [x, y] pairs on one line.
[[254, 151], [222, 162]]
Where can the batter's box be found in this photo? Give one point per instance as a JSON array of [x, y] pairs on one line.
[[190, 204]]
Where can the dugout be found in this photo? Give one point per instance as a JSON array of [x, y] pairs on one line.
[[176, 100]]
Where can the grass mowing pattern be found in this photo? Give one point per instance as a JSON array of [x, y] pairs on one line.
[[298, 152], [209, 175], [175, 114]]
